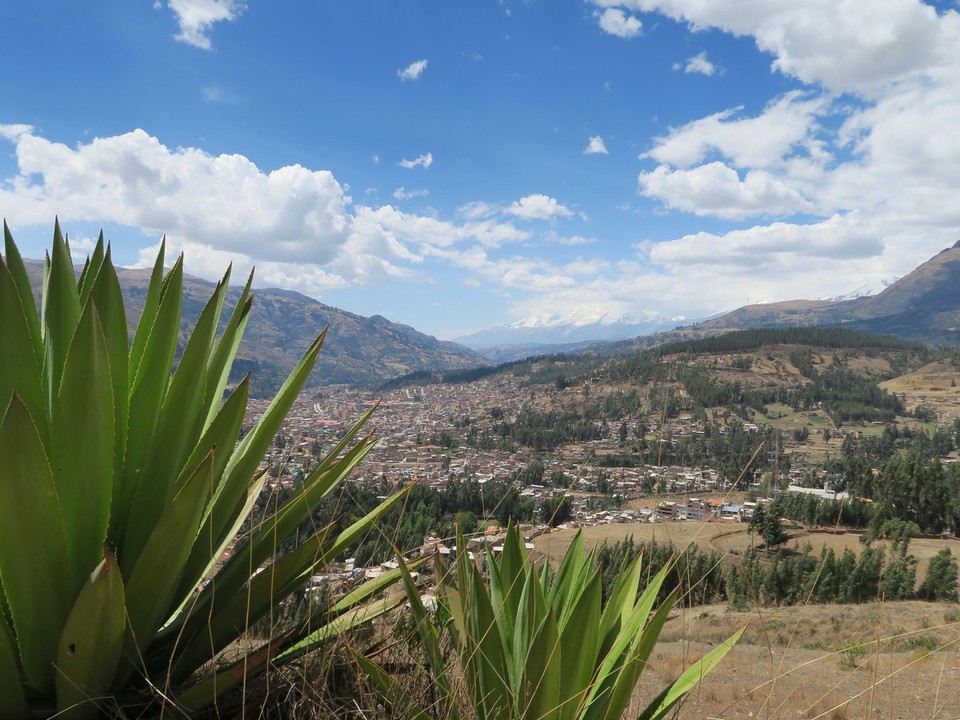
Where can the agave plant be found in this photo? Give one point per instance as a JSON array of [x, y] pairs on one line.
[[541, 646], [123, 484]]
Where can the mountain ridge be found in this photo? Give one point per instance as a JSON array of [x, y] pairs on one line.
[[283, 323], [923, 305]]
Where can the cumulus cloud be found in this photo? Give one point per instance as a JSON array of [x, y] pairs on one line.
[[298, 226], [615, 21], [596, 146], [848, 47], [413, 71], [716, 189], [424, 161], [538, 207], [13, 131], [196, 18], [697, 64]]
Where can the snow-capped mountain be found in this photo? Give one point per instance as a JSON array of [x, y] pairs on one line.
[[869, 288], [582, 325]]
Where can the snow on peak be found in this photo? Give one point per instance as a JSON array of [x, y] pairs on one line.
[[872, 287], [578, 317]]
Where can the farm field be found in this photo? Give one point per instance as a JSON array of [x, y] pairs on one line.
[[730, 538]]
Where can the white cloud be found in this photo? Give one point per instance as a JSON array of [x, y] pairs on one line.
[[413, 71], [430, 235], [698, 64], [538, 207], [616, 22], [716, 189], [596, 146], [81, 248], [295, 224], [197, 17], [848, 47], [401, 193], [12, 132], [478, 210], [424, 161], [787, 123], [569, 240]]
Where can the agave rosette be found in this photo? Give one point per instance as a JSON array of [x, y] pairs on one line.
[[123, 481], [539, 645]]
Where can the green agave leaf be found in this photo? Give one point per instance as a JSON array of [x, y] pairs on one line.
[[108, 299], [485, 664], [263, 543], [91, 643], [153, 581], [369, 588], [243, 463], [222, 433], [615, 651], [620, 604], [344, 623], [688, 679], [578, 646], [148, 316], [543, 679], [179, 425], [455, 586], [634, 663], [19, 273], [83, 274], [206, 692], [507, 578], [32, 575], [532, 616], [142, 485], [61, 311], [518, 645], [564, 582], [12, 700], [218, 371], [150, 382], [237, 570], [81, 447], [265, 589], [21, 359], [90, 270]]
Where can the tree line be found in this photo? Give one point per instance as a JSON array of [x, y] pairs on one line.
[[786, 578]]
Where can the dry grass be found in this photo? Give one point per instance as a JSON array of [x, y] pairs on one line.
[[830, 661], [839, 662]]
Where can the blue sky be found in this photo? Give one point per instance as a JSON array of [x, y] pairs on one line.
[[456, 166]]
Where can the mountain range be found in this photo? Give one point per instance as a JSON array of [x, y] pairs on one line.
[[362, 351], [368, 351], [923, 305], [568, 333]]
